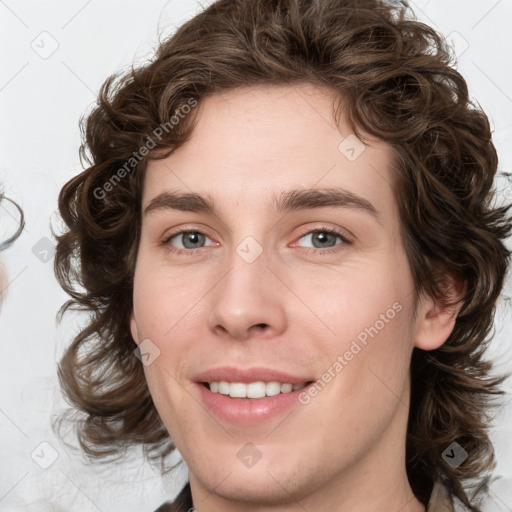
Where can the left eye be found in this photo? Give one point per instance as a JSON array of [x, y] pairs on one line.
[[323, 238]]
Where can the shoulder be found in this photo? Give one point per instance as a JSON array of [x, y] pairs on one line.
[[441, 500]]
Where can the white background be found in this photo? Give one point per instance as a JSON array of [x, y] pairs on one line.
[[41, 101]]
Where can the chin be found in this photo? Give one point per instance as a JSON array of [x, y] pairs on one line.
[[277, 477], [261, 486]]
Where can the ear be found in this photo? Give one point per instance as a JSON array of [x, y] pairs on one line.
[[133, 328], [435, 322]]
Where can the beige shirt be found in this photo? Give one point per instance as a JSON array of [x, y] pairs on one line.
[[440, 501]]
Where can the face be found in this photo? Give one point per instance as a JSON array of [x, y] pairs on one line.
[[292, 281]]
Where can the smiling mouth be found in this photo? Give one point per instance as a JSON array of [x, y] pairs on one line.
[[253, 390]]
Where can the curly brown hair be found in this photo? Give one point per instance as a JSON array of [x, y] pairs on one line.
[[397, 80]]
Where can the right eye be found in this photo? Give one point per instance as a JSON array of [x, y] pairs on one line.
[[189, 240]]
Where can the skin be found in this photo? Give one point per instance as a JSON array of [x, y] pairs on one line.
[[345, 449], [3, 282]]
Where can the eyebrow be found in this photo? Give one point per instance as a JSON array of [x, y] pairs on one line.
[[292, 200]]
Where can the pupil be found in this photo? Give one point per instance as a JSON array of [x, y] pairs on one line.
[[322, 236], [193, 237]]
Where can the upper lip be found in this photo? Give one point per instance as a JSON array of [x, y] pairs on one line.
[[246, 375]]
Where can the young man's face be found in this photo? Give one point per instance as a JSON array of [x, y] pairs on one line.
[[265, 294]]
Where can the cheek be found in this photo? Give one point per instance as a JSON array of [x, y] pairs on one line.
[[163, 302], [359, 301], [367, 311], [161, 312], [167, 309]]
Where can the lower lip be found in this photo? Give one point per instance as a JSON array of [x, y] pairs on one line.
[[248, 411]]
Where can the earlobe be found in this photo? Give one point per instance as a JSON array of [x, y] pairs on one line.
[[133, 328], [435, 322]]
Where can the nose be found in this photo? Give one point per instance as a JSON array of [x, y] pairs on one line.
[[249, 301]]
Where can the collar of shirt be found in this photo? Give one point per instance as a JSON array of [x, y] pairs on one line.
[[440, 500]]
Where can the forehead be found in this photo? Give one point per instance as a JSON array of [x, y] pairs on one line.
[[251, 143]]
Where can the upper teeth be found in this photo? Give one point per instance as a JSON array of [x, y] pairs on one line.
[[253, 389]]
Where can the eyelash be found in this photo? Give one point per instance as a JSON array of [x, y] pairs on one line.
[[322, 229]]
